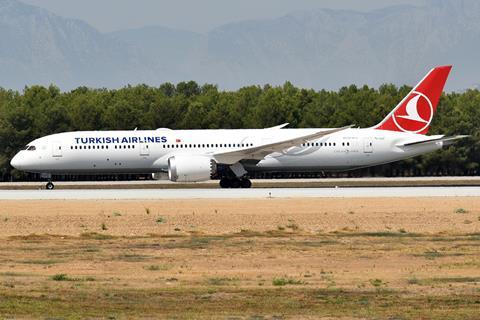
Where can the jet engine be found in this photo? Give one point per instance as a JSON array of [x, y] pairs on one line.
[[160, 176], [184, 168]]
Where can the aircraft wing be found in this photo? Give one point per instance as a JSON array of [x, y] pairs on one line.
[[259, 152], [283, 125]]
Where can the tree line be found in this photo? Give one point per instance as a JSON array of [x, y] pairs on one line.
[[38, 111]]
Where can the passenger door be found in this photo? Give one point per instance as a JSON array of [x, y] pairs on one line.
[[57, 149], [144, 149], [367, 145]]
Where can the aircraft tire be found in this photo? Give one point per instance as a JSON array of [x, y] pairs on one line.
[[50, 185], [235, 183], [246, 183], [225, 183]]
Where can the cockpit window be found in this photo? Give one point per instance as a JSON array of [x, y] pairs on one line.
[[31, 148]]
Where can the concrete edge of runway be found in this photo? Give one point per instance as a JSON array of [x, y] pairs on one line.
[[258, 183]]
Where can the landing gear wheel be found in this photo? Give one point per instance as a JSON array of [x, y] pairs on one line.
[[224, 183], [50, 185], [245, 183], [235, 183]]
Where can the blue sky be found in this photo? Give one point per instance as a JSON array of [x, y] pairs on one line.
[[193, 15]]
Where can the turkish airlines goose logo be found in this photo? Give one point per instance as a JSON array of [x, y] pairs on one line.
[[415, 114]]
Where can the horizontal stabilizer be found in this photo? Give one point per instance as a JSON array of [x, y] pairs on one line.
[[445, 140], [451, 140]]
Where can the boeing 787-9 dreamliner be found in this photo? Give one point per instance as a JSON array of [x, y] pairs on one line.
[[229, 154]]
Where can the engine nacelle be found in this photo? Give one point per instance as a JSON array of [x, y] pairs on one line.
[[184, 168], [160, 176]]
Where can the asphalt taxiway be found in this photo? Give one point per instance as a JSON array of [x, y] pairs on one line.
[[257, 193]]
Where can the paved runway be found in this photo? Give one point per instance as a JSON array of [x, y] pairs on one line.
[[459, 181], [258, 193]]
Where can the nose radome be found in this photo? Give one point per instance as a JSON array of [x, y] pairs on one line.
[[16, 162]]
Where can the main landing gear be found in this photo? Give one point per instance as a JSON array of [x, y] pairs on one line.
[[233, 176], [235, 183]]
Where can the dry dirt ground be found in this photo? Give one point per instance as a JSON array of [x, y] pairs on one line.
[[415, 258]]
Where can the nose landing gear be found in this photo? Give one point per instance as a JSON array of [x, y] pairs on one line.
[[48, 177]]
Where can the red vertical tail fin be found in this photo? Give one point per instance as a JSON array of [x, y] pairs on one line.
[[415, 112]]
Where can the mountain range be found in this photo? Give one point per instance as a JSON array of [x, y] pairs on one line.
[[320, 49]]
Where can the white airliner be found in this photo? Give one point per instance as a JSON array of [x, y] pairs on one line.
[[199, 155]]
